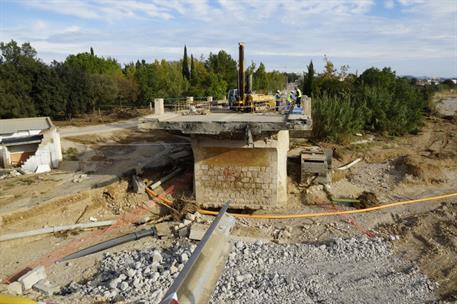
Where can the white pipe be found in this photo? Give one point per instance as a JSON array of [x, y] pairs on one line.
[[24, 234], [166, 178], [350, 164]]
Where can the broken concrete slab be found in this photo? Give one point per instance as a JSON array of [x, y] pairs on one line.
[[15, 288], [32, 277], [46, 288]]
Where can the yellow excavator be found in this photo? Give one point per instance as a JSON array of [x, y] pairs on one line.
[[242, 98]]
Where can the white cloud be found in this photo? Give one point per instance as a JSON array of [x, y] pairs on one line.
[[389, 4], [289, 30]]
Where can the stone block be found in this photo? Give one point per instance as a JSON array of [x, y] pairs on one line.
[[15, 288], [165, 228], [32, 277]]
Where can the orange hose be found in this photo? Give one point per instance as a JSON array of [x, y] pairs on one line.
[[163, 199], [321, 214]]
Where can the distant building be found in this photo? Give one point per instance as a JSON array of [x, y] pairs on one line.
[[423, 82], [30, 143]]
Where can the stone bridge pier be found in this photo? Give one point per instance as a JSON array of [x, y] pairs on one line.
[[241, 157], [250, 175]]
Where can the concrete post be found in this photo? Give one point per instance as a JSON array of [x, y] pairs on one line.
[[158, 106], [5, 157], [307, 106], [150, 106]]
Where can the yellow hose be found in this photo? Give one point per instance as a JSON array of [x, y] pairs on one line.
[[7, 299], [302, 215]]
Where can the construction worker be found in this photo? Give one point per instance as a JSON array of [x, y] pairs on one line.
[[278, 100], [290, 98], [298, 96]]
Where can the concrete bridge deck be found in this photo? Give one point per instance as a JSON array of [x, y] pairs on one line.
[[217, 123]]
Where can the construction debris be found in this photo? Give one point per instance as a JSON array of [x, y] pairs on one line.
[[15, 288], [197, 231], [347, 166], [12, 173], [79, 178], [46, 288], [18, 235], [131, 276], [165, 229], [341, 271], [138, 185], [366, 200], [32, 277]]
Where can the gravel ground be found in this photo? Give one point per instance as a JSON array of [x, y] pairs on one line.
[[380, 178], [343, 271], [139, 276]]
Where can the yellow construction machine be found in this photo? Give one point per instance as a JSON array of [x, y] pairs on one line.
[[242, 98]]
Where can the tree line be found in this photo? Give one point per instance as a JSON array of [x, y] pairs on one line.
[[376, 101], [85, 82]]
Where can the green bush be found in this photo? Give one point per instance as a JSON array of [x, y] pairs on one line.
[[335, 117]]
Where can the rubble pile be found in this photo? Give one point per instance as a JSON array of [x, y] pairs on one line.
[[140, 276], [342, 271]]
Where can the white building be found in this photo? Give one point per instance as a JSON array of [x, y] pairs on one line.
[[30, 143]]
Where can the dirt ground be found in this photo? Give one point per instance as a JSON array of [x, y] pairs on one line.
[[430, 240], [393, 168], [102, 117]]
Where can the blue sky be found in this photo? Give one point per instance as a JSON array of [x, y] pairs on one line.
[[414, 37]]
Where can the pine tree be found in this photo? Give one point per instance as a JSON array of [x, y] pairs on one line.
[[185, 65], [91, 51], [309, 81]]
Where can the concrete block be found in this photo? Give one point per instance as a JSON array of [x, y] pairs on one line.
[[46, 288], [165, 228], [15, 288], [32, 277], [158, 106], [197, 231]]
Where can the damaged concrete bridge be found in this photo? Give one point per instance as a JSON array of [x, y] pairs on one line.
[[240, 157]]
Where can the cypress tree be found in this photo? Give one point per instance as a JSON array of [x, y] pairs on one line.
[[309, 81], [192, 66], [91, 51], [185, 65]]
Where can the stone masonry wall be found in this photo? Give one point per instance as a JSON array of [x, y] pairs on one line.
[[251, 176], [247, 177]]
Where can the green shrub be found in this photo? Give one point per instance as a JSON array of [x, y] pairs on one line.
[[335, 118]]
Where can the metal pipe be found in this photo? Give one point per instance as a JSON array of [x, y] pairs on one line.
[[19, 235], [171, 293], [164, 179], [110, 243], [241, 76]]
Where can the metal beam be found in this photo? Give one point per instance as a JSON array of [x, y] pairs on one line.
[[197, 280]]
